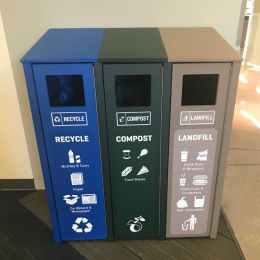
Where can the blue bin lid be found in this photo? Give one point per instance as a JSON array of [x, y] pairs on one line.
[[66, 45]]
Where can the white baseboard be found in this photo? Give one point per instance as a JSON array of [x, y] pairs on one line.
[[39, 184], [237, 48]]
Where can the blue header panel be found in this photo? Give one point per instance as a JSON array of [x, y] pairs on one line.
[[66, 45], [66, 97]]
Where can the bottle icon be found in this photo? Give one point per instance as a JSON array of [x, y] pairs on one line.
[[71, 157]]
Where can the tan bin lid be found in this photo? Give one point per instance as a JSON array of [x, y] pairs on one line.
[[193, 44]]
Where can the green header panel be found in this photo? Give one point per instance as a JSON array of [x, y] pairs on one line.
[[132, 45]]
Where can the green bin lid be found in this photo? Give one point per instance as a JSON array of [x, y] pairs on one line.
[[132, 45]]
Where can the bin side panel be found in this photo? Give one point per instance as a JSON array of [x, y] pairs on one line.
[[134, 149], [102, 124], [166, 106], [224, 146], [72, 141], [195, 139], [42, 149]]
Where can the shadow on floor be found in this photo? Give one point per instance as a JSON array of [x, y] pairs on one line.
[[25, 233]]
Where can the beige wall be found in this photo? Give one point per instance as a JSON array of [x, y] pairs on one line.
[[26, 21], [257, 6], [14, 157]]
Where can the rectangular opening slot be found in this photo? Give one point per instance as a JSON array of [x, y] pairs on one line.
[[133, 90], [199, 89], [65, 90]]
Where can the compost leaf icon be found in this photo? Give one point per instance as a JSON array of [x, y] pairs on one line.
[[136, 225]]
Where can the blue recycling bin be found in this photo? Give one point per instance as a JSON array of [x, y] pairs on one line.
[[59, 76]]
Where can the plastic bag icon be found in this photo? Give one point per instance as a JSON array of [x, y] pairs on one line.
[[199, 203], [182, 203], [203, 156]]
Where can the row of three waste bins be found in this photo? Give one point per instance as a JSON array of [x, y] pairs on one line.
[[133, 128]]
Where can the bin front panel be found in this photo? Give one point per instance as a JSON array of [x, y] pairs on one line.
[[199, 97], [133, 105], [66, 97]]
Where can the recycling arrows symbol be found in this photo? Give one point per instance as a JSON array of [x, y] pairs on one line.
[[76, 228], [56, 119]]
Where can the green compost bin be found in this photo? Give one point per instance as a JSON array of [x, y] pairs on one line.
[[133, 83]]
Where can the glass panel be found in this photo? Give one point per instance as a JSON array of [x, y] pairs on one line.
[[199, 89], [65, 90], [133, 90]]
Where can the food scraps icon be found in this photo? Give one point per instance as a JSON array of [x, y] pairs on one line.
[[143, 152], [136, 225], [126, 154], [143, 170], [126, 171], [78, 221]]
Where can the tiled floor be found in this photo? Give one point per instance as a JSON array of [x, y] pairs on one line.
[[224, 247], [26, 234], [241, 197]]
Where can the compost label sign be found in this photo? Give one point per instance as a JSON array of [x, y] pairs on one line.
[[193, 163], [133, 118]]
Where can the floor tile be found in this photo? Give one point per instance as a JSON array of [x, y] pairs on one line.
[[241, 202], [246, 127], [243, 156], [223, 247]]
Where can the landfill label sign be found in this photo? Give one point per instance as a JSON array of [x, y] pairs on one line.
[[193, 163], [197, 117]]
